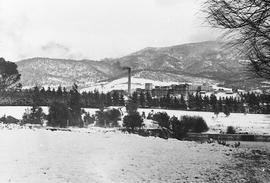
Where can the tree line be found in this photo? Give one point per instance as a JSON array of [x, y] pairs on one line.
[[249, 103]]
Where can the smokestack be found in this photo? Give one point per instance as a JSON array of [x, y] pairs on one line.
[[129, 79]]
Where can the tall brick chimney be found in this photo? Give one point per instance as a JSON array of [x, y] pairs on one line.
[[129, 79]]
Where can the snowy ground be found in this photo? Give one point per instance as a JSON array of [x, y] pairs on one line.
[[16, 111], [95, 155], [252, 123]]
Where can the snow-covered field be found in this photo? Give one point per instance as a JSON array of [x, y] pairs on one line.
[[252, 123], [95, 155], [17, 111]]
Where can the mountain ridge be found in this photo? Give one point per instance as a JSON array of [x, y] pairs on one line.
[[206, 61]]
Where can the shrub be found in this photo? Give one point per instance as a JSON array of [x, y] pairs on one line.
[[132, 121], [9, 120], [108, 117], [100, 118], [216, 112], [177, 127], [131, 107], [230, 130], [194, 124], [75, 118], [226, 111], [150, 114], [112, 116], [88, 119], [74, 104], [34, 116], [58, 114], [163, 119]]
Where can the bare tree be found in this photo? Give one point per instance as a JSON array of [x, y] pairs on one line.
[[9, 75], [247, 25]]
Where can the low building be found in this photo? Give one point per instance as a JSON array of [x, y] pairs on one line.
[[206, 88], [120, 92], [241, 91], [224, 95], [193, 89], [179, 90], [160, 91], [257, 91], [148, 86], [139, 90]]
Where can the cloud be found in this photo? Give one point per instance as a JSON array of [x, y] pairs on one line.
[[51, 46], [94, 29], [58, 50]]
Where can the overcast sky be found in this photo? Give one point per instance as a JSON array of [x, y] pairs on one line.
[[97, 29]]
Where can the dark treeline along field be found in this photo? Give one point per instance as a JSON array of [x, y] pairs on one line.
[[248, 103]]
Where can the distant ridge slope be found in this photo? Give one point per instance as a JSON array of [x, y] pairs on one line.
[[194, 62]]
